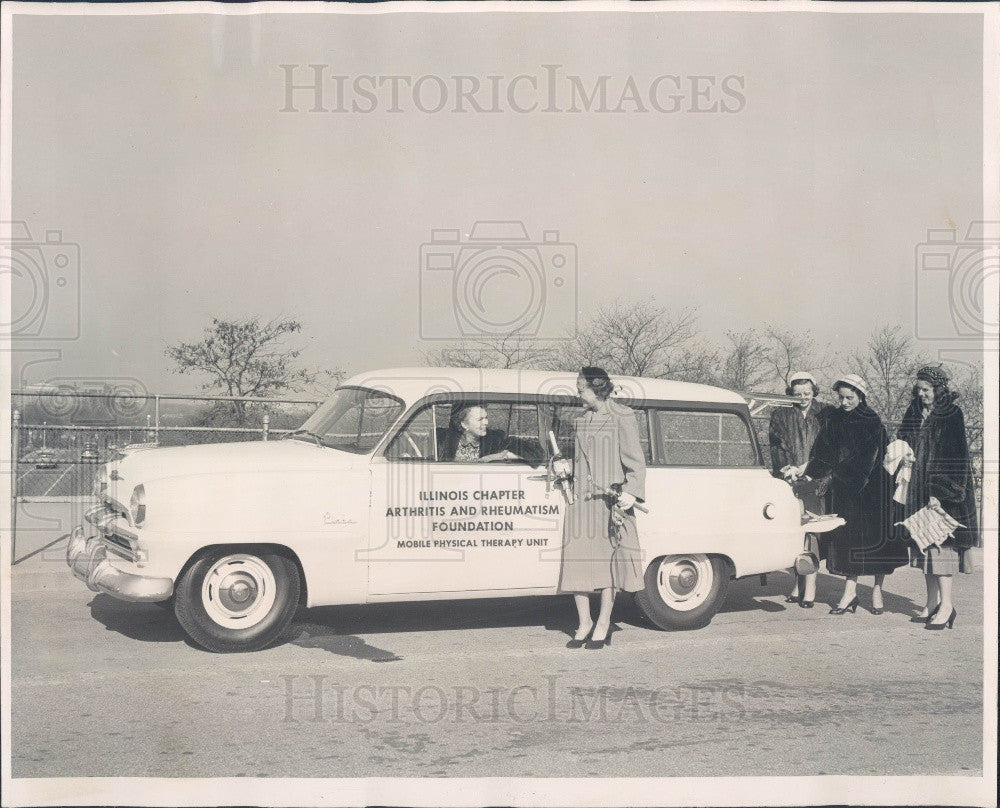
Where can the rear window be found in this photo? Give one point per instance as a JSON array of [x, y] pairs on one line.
[[719, 439]]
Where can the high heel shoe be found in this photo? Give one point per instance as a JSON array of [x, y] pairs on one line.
[[852, 607], [594, 645], [878, 610], [940, 626], [575, 643], [926, 617], [792, 599], [806, 604]]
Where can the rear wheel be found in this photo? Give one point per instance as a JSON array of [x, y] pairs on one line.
[[684, 591], [237, 600]]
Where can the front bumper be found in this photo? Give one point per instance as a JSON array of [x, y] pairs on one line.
[[87, 558]]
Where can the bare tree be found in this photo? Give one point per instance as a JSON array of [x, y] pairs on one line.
[[512, 350], [745, 364], [888, 364], [640, 339], [968, 383], [244, 358], [698, 362], [789, 350], [325, 381]]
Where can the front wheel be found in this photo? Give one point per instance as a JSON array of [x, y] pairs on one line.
[[684, 591], [235, 600]]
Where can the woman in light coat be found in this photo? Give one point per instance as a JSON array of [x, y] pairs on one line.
[[600, 543]]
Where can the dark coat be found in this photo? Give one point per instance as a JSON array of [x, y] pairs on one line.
[[792, 436], [850, 449], [942, 467], [495, 440]]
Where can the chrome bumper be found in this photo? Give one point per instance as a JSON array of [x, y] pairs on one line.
[[87, 557]]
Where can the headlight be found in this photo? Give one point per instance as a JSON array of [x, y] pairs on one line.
[[137, 505]]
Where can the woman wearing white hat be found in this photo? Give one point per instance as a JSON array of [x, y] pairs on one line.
[[850, 449], [791, 434]]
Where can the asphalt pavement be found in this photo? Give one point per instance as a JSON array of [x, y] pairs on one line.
[[487, 688]]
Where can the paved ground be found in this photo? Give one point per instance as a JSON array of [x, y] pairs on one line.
[[486, 688]]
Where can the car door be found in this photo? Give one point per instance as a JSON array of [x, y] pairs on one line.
[[441, 526]]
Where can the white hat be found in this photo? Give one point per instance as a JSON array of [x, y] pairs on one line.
[[800, 376], [854, 381]]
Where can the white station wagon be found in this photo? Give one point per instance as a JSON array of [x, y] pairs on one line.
[[357, 506]]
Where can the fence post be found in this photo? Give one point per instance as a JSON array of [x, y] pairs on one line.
[[267, 424], [15, 440], [156, 410]]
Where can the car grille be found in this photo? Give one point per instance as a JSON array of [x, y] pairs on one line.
[[109, 518]]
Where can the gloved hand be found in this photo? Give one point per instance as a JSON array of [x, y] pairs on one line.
[[562, 468], [625, 500]]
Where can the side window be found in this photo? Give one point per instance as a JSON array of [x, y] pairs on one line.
[[705, 439], [559, 419], [516, 420], [642, 422], [511, 426]]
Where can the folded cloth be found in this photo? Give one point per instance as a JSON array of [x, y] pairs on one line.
[[899, 456], [929, 526]]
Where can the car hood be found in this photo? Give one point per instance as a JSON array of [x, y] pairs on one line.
[[145, 465]]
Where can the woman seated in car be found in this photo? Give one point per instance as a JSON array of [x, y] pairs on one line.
[[469, 439]]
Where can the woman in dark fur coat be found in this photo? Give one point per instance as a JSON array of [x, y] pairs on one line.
[[851, 448], [934, 427]]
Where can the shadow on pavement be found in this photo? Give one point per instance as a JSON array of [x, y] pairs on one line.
[[314, 635], [324, 626], [554, 613], [138, 621], [745, 595]]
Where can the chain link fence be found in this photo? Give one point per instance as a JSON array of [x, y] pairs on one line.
[[61, 437]]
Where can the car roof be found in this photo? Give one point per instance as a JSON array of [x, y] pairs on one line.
[[413, 383]]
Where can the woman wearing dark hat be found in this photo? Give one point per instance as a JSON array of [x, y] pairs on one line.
[[600, 543], [941, 476], [791, 434], [850, 449]]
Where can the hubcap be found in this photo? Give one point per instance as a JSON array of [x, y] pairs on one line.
[[684, 582], [239, 591]]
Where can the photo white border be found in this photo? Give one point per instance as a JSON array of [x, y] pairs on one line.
[[670, 791]]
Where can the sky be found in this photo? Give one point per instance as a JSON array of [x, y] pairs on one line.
[[165, 148]]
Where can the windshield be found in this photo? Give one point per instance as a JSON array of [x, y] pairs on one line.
[[353, 419]]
